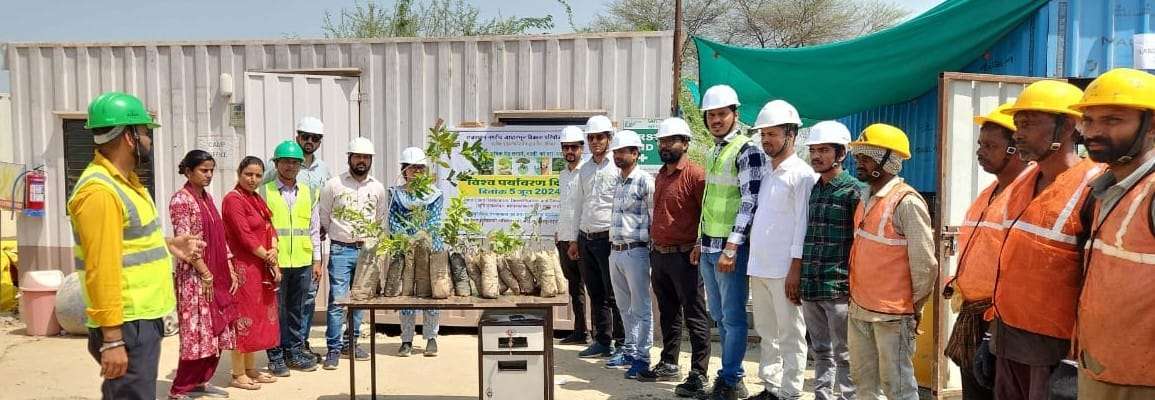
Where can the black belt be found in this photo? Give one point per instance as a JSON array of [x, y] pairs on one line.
[[596, 235], [684, 248], [353, 245], [627, 246]]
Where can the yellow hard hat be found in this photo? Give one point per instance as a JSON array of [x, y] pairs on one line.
[[998, 117], [1048, 96], [1124, 87], [886, 137]]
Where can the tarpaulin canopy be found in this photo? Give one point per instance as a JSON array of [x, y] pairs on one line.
[[891, 66]]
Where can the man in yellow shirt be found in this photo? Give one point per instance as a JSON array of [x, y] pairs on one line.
[[121, 253]]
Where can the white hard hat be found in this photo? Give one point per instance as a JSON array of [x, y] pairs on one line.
[[598, 124], [719, 96], [360, 145], [674, 127], [572, 134], [833, 132], [311, 125], [777, 112], [413, 156], [625, 139]]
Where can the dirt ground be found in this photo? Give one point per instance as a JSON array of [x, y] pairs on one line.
[[60, 368]]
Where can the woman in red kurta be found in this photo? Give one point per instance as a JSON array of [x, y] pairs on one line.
[[251, 237], [205, 285]]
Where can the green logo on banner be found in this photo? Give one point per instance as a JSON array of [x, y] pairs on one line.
[[647, 129]]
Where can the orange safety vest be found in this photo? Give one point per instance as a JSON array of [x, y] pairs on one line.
[[1116, 325], [980, 239], [1040, 275], [879, 266]]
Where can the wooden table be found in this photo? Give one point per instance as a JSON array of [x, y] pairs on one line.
[[452, 303]]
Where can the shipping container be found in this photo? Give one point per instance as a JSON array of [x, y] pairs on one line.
[[240, 98]]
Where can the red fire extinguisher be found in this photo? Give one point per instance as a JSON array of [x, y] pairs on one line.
[[34, 193]]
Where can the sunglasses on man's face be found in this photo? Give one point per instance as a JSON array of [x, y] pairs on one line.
[[310, 137]]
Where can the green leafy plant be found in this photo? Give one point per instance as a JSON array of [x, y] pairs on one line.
[[458, 226], [506, 240]]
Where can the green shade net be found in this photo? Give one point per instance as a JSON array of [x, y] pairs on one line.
[[891, 66]]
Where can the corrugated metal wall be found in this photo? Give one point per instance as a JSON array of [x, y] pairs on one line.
[[1065, 38], [405, 85]]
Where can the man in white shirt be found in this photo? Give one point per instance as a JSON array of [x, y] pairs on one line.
[[775, 268], [354, 191], [593, 201], [572, 143]]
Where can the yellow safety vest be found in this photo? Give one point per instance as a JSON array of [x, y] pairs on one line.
[[146, 280], [294, 242]]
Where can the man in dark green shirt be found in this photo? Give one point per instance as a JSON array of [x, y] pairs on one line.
[[826, 257]]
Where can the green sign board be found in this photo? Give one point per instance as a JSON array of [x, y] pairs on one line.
[[647, 129]]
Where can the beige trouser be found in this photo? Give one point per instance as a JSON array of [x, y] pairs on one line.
[[882, 359], [1093, 389]]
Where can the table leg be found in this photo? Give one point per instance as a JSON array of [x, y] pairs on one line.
[[352, 375], [373, 354], [549, 384]]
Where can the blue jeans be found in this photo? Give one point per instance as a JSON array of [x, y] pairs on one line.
[[310, 307], [430, 324], [295, 283], [342, 266], [630, 274], [726, 295]]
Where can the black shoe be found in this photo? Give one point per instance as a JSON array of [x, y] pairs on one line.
[[740, 390], [663, 372], [405, 350], [307, 350], [723, 391], [278, 369], [354, 351], [763, 395], [576, 338], [431, 348], [693, 387], [332, 358], [303, 362]]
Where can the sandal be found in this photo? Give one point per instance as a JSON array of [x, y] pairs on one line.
[[260, 377], [246, 384]]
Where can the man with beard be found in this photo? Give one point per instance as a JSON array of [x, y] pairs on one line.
[[1040, 267], [981, 238], [779, 229], [825, 284], [733, 177], [592, 204], [629, 250], [357, 192], [674, 253], [572, 142], [314, 173], [121, 259], [1115, 326], [892, 268]]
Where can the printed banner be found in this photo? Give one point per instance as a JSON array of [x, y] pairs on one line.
[[518, 183]]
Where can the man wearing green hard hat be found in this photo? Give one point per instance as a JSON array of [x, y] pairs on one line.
[[294, 210], [122, 256]]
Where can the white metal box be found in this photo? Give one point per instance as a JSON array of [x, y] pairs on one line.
[[513, 377]]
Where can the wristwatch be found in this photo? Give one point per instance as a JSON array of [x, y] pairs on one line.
[[730, 253]]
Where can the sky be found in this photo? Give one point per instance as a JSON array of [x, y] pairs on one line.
[[160, 20]]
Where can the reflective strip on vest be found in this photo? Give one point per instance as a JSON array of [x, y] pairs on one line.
[[1055, 232], [879, 239], [722, 197], [135, 259], [293, 232], [134, 230], [722, 180]]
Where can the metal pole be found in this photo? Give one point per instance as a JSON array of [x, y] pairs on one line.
[[678, 40]]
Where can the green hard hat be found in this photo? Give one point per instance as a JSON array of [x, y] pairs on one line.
[[117, 109], [289, 149]]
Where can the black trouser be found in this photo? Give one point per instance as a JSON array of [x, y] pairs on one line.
[[577, 292], [142, 342], [680, 295], [596, 270]]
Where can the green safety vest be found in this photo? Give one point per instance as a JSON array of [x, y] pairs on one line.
[[294, 242], [146, 276], [722, 199]]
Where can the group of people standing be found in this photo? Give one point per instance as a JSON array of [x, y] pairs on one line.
[[755, 223], [1053, 255], [246, 275]]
